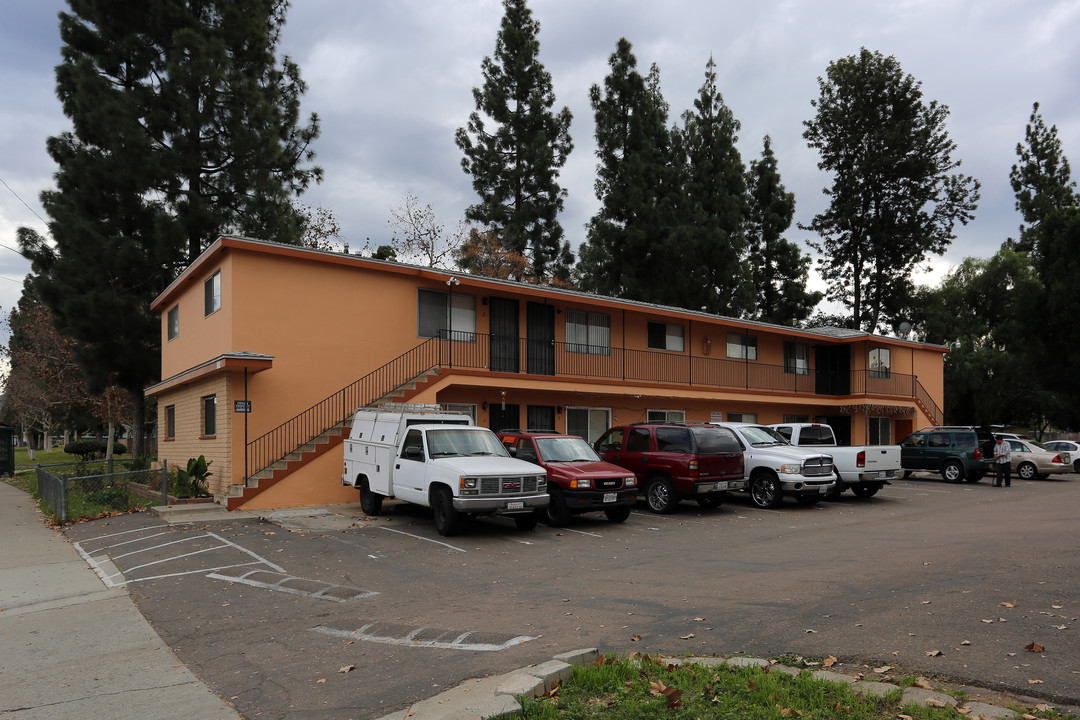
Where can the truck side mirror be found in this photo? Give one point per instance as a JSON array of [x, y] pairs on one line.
[[414, 453], [512, 449]]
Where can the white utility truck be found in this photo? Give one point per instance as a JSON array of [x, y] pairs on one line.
[[864, 469], [427, 456]]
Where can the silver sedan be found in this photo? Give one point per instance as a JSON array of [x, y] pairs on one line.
[[1031, 460]]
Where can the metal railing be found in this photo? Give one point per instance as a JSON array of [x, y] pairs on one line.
[[480, 351], [89, 493]]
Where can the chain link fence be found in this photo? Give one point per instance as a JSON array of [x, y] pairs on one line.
[[73, 490]]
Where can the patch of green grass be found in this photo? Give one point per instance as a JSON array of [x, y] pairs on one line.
[[41, 457], [643, 688]]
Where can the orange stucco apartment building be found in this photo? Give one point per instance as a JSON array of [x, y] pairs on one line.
[[300, 337]]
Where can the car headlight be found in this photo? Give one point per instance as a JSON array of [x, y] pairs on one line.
[[791, 469], [469, 486], [630, 481], [583, 484]]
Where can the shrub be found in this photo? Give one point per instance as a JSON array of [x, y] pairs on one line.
[[85, 450], [192, 481], [114, 497]]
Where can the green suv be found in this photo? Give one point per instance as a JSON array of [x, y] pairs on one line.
[[957, 452]]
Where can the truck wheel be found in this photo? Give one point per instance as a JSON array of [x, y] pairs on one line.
[[618, 514], [1026, 471], [865, 491], [711, 500], [837, 489], [952, 471], [808, 500], [765, 490], [447, 519], [526, 522], [370, 503], [908, 473], [556, 514], [660, 495]]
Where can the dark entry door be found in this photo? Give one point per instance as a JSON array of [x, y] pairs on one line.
[[504, 335], [540, 324], [833, 368], [540, 417], [503, 417]]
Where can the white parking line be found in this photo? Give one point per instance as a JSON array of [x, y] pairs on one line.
[[421, 537], [581, 532], [458, 643]]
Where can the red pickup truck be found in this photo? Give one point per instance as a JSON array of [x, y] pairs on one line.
[[677, 460], [578, 481]]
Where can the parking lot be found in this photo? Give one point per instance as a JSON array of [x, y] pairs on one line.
[[331, 614]]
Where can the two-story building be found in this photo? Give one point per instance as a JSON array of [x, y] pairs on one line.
[[268, 349]]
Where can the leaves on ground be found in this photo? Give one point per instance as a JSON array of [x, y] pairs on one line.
[[934, 653], [346, 668], [1009, 604], [829, 661], [883, 669], [1034, 647]]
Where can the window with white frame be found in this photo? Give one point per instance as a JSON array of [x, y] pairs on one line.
[[666, 336], [173, 321], [437, 314], [880, 362], [589, 423], [880, 431], [796, 358], [741, 346], [742, 417], [666, 416], [212, 293], [588, 332]]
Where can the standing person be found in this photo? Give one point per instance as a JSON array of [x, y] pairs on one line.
[[1002, 461]]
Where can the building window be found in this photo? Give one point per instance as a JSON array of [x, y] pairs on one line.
[[796, 358], [437, 315], [742, 417], [796, 418], [880, 431], [209, 415], [212, 293], [170, 422], [174, 321], [666, 336], [880, 365], [589, 423], [667, 416], [741, 347], [588, 332]]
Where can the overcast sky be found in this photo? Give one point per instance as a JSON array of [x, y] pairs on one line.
[[391, 80]]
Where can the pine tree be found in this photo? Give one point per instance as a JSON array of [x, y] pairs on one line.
[[709, 223], [895, 196], [628, 251], [183, 129], [515, 164], [777, 268]]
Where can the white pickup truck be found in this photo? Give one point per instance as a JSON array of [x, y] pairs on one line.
[[437, 459], [864, 469], [774, 468]]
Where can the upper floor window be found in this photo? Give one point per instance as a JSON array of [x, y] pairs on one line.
[[666, 336], [588, 332], [174, 321], [741, 346], [880, 362], [439, 313], [796, 358], [212, 293]]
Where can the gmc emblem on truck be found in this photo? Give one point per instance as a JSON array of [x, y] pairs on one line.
[[511, 485]]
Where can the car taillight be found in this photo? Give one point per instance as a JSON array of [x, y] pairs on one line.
[[693, 468], [860, 459], [1057, 458], [978, 453]]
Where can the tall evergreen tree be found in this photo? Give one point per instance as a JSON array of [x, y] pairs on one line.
[[1042, 180], [895, 196], [628, 250], [515, 164], [183, 129], [777, 268], [709, 220]]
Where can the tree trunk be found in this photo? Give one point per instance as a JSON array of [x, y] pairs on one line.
[[138, 422], [109, 443], [29, 440]]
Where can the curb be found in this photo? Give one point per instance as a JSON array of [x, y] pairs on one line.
[[496, 697]]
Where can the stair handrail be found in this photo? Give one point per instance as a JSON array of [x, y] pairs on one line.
[[336, 408], [928, 403]]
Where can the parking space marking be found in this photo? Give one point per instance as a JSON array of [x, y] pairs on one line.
[[412, 639], [421, 537], [580, 532], [328, 591]]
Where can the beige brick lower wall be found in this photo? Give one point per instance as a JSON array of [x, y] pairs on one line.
[[188, 441]]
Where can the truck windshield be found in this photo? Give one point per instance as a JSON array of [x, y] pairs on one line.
[[760, 436], [715, 441], [565, 449], [453, 442]]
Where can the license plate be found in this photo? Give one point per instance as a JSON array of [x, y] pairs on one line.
[[721, 486], [823, 488], [609, 497], [883, 474], [516, 505]]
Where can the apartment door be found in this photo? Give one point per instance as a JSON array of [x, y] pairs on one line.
[[503, 417], [833, 368], [504, 335], [540, 324], [540, 417]]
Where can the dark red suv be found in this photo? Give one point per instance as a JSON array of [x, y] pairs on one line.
[[673, 461], [578, 480]]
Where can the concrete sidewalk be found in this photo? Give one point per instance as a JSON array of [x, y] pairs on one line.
[[71, 647]]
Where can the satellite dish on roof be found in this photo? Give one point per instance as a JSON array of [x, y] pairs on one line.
[[905, 328]]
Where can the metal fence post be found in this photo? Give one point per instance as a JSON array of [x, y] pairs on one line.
[[165, 483]]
